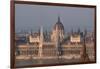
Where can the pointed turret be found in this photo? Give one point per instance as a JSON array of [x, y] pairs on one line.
[[41, 42], [59, 19], [41, 34], [84, 56]]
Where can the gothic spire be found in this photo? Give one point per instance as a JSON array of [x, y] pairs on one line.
[[59, 19]]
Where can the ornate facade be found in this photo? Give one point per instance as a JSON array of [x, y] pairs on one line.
[[56, 46]]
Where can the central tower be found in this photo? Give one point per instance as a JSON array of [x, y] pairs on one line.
[[58, 31]]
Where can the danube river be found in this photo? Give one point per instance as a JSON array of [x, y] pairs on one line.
[[45, 61]]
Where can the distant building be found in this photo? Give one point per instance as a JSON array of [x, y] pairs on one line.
[[54, 44]]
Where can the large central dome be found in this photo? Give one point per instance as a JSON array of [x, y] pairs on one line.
[[58, 31], [58, 25]]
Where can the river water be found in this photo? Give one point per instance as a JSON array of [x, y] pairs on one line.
[[45, 61]]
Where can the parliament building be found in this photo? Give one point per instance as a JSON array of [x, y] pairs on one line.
[[55, 44]]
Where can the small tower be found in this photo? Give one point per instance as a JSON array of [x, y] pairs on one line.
[[41, 42], [84, 56], [78, 31], [41, 34]]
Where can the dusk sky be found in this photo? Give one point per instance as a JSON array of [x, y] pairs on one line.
[[29, 17]]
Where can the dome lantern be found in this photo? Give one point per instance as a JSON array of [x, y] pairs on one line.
[[58, 25]]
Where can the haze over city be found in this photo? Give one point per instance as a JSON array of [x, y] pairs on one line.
[[31, 17]]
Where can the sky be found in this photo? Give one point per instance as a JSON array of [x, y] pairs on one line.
[[32, 17]]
